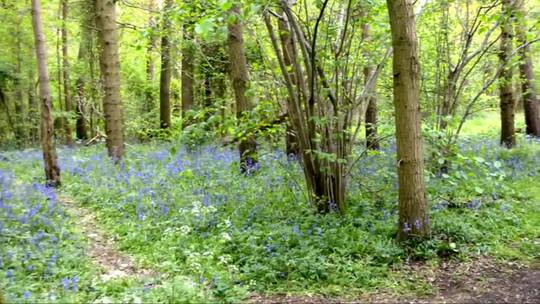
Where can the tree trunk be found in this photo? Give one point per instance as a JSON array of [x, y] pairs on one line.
[[33, 107], [52, 170], [187, 72], [372, 142], [291, 142], [85, 48], [165, 75], [240, 80], [507, 103], [530, 101], [413, 210], [110, 72], [150, 69], [65, 72], [20, 133]]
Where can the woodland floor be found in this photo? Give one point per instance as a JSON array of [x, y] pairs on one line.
[[482, 280], [102, 249], [479, 281]]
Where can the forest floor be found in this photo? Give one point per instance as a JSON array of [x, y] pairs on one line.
[[172, 225], [102, 248], [480, 281]]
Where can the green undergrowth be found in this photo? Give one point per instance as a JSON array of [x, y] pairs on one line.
[[216, 235]]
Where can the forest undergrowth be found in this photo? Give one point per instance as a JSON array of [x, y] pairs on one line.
[[213, 234]]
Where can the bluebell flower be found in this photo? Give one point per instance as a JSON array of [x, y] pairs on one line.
[[66, 282], [406, 227], [74, 282]]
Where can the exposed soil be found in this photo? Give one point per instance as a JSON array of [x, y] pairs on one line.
[[102, 249], [479, 281]]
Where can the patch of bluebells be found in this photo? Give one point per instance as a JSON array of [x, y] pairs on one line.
[[153, 190], [35, 242]]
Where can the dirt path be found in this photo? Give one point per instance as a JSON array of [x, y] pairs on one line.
[[480, 281], [102, 249]]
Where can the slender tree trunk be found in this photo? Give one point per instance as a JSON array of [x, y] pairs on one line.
[[165, 76], [507, 103], [65, 72], [84, 57], [150, 68], [413, 210], [3, 102], [59, 122], [372, 142], [33, 107], [240, 80], [20, 133], [52, 170], [187, 72], [110, 73], [530, 100], [289, 56]]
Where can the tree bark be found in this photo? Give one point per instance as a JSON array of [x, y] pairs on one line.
[[187, 72], [413, 210], [372, 142], [110, 72], [33, 107], [289, 56], [20, 133], [84, 55], [50, 160], [507, 103], [165, 75], [240, 80], [530, 100], [65, 71], [150, 69]]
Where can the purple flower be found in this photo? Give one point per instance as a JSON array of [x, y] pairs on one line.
[[65, 283], [406, 227], [27, 295], [74, 282]]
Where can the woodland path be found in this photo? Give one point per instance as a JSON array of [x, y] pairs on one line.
[[482, 280], [102, 249]]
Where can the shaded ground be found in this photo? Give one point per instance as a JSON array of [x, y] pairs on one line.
[[480, 281], [102, 249]]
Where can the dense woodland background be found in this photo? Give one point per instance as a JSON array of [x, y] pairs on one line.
[[283, 138]]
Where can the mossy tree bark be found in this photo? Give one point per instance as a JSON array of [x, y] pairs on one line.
[[289, 56], [507, 102], [530, 99], [68, 103], [165, 75], [372, 142], [240, 81], [188, 72]]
